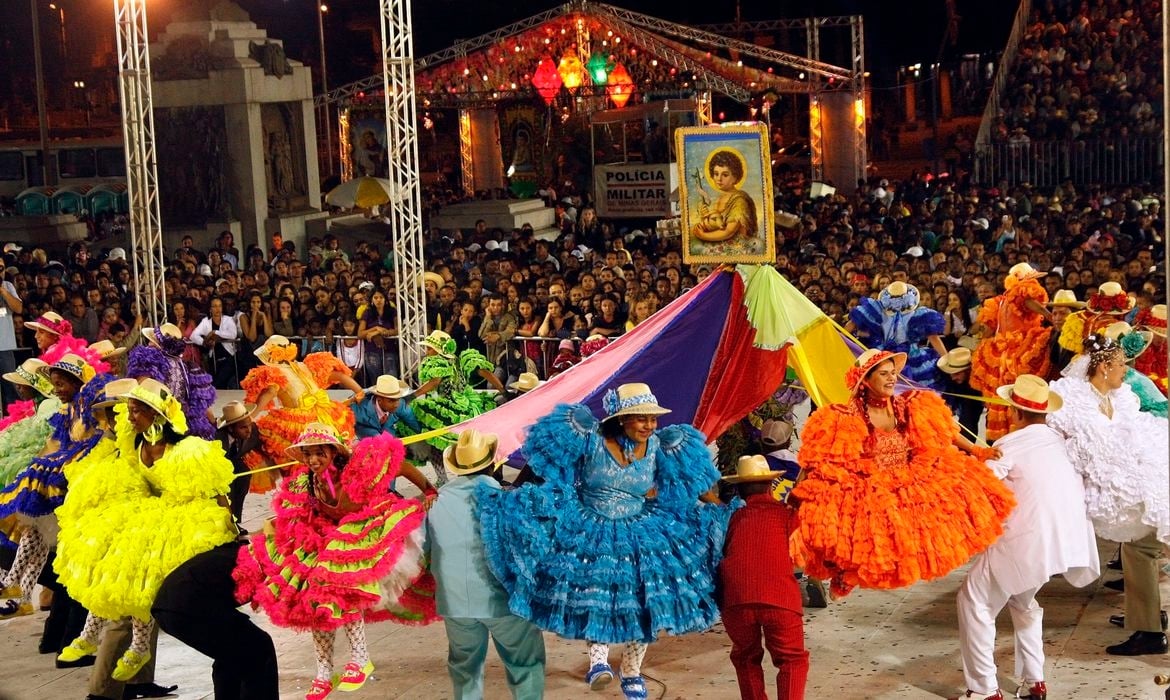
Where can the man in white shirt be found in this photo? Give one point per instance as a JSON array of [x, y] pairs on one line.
[[10, 304], [217, 334]]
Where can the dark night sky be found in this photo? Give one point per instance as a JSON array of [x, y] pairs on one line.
[[896, 33]]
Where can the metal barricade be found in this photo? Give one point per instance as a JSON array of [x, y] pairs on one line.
[[539, 351], [1106, 162]]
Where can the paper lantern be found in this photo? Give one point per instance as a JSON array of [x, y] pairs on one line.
[[598, 67], [546, 80], [571, 71], [620, 85]]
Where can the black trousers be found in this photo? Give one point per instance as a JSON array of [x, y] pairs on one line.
[[197, 606]]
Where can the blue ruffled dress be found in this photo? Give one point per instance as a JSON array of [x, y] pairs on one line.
[[586, 555], [903, 332]]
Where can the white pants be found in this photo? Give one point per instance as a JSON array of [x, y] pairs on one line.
[[980, 600]]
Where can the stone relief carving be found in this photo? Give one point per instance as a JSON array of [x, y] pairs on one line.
[[186, 58], [284, 157], [270, 55], [191, 145]]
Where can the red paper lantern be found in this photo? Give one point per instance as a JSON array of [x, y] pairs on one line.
[[547, 80], [620, 85]]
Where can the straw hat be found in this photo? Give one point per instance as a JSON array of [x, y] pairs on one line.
[[631, 399], [52, 322], [774, 433], [159, 398], [866, 362], [168, 330], [899, 296], [1066, 297], [264, 352], [114, 392], [1110, 298], [234, 412], [105, 349], [441, 343], [1031, 393], [527, 381], [434, 278], [389, 387], [317, 434], [73, 365], [1156, 320], [28, 373], [955, 361], [1024, 271], [1132, 342], [751, 468], [474, 452]]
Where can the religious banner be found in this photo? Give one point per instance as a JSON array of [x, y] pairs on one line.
[[633, 190], [363, 141], [725, 193], [521, 126]]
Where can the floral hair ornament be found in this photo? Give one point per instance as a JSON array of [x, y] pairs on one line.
[[442, 343], [1132, 342], [1110, 298], [74, 366], [317, 434], [899, 297], [159, 398], [631, 399], [866, 362], [276, 349], [31, 373], [52, 322]]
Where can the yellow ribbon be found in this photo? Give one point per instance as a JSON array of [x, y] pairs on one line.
[[264, 469], [411, 439]]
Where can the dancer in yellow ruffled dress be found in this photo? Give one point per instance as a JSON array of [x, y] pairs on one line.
[[157, 501], [300, 389]]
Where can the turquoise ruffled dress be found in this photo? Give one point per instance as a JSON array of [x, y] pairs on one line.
[[586, 554]]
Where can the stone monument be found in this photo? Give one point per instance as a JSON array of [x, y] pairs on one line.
[[235, 128]]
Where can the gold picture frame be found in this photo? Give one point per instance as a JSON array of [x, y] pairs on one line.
[[725, 194]]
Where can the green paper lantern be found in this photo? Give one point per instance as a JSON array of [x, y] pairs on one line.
[[598, 67]]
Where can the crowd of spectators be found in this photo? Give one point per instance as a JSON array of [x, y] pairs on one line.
[[1086, 69], [504, 292]]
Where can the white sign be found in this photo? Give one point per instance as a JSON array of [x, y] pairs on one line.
[[634, 190]]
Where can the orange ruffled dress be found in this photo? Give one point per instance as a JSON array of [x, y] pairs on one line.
[[302, 399], [892, 508], [1019, 346]]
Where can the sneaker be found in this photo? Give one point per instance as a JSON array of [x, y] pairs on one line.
[[77, 649], [13, 609], [634, 688], [319, 690], [599, 676], [129, 665], [353, 676]]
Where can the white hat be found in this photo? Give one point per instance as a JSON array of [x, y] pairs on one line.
[[631, 399], [474, 248], [117, 254], [492, 245], [1066, 297], [389, 387], [915, 251], [955, 361], [527, 381], [1031, 393], [774, 433], [474, 452], [751, 468], [273, 341], [318, 434], [981, 223], [205, 270], [234, 412], [12, 248]]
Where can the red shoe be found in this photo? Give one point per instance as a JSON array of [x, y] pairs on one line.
[[354, 676], [1036, 691], [319, 690], [997, 695]]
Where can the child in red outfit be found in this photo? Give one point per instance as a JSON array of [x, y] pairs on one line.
[[759, 595]]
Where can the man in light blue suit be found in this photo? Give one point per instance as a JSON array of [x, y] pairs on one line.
[[472, 602], [383, 409]]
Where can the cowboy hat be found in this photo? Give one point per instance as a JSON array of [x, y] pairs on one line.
[[955, 361], [527, 381], [264, 352], [774, 433], [105, 349], [1110, 298], [1024, 271], [1155, 320], [442, 343], [168, 330], [473, 452], [159, 398], [1066, 297], [867, 361], [1031, 393], [52, 322], [751, 468], [114, 392], [317, 434], [27, 373], [631, 399], [1132, 342], [73, 365], [389, 387], [434, 278], [234, 412]]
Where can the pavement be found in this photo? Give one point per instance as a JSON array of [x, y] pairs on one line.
[[872, 644]]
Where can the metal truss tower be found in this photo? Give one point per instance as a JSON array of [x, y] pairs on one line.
[[405, 208], [141, 164]]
